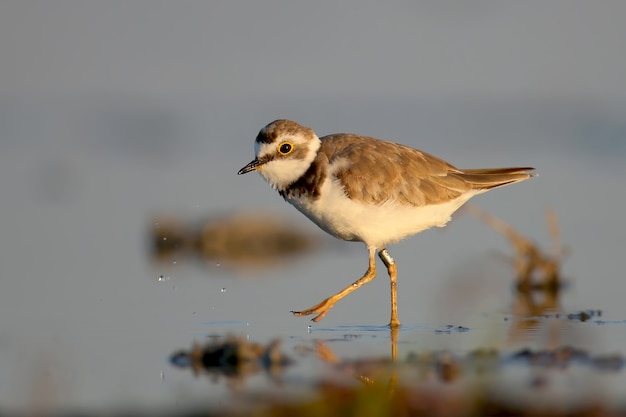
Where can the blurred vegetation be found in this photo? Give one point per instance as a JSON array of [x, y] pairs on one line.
[[235, 240], [534, 268]]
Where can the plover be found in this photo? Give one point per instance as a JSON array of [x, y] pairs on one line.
[[363, 189]]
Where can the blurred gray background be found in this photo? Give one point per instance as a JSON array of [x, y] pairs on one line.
[[238, 49], [114, 111]]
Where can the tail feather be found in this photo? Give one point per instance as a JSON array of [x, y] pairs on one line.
[[486, 179]]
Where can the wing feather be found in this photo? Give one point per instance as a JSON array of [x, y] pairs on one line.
[[392, 172], [376, 171]]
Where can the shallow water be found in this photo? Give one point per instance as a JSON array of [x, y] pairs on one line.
[[89, 319]]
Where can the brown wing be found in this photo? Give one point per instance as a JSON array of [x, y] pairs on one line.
[[377, 171], [373, 170]]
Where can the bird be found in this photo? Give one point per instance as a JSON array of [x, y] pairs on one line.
[[364, 189]]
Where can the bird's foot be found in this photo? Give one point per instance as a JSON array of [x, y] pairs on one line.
[[320, 309]]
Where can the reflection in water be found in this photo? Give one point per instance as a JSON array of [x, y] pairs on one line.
[[530, 308], [484, 381], [368, 370], [237, 239]]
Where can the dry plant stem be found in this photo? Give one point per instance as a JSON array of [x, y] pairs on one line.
[[325, 306], [526, 252], [530, 260], [552, 268], [555, 233]]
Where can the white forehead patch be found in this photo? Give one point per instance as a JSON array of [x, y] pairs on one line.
[[262, 149], [257, 148]]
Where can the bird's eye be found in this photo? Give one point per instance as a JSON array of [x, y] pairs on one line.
[[285, 148]]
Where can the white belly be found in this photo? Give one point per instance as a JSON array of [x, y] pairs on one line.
[[375, 225]]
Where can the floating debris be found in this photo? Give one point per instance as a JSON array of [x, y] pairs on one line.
[[232, 357], [565, 356], [584, 315], [449, 329]]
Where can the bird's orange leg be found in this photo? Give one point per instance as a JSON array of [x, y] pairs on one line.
[[394, 323], [324, 307]]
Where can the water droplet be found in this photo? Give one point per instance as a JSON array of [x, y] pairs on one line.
[[223, 289], [163, 278], [173, 262], [164, 237], [308, 329], [218, 264]]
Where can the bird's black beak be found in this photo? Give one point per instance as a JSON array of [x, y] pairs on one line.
[[252, 166]]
